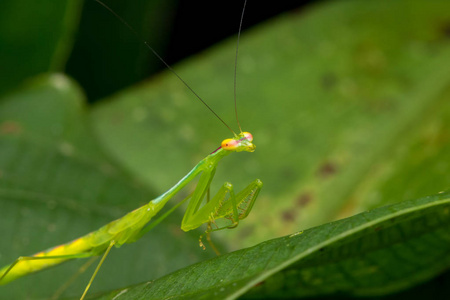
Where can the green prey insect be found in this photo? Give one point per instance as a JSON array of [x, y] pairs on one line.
[[226, 206]]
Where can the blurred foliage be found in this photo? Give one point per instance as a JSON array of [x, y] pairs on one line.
[[347, 101], [35, 37], [368, 254]]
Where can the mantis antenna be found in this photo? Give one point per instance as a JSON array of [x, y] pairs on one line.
[[235, 65], [175, 73]]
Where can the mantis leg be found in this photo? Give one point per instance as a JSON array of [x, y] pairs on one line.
[[208, 235], [226, 208], [231, 207], [80, 271], [111, 244]]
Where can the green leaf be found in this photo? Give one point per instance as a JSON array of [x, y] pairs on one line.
[[347, 102], [372, 253]]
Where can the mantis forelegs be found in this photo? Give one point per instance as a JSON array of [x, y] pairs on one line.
[[236, 207], [226, 207]]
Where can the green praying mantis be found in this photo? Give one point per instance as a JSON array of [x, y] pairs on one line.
[[226, 206]]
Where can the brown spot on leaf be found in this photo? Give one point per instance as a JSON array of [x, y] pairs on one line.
[[261, 283], [445, 29], [303, 199], [326, 170], [378, 228], [328, 81], [10, 127], [289, 216]]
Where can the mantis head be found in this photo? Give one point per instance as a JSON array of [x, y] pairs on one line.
[[241, 142]]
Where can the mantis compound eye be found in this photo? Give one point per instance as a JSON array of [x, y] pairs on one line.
[[229, 144], [248, 136]]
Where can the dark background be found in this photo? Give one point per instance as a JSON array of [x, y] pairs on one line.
[[107, 56]]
